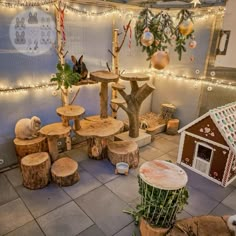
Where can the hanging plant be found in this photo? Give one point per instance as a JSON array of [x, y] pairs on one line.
[[157, 32], [65, 76]]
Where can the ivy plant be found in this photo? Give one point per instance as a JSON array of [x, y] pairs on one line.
[[65, 76]]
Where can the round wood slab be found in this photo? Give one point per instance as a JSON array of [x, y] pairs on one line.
[[104, 76], [70, 111], [94, 126], [35, 159], [134, 77], [163, 175], [55, 129]]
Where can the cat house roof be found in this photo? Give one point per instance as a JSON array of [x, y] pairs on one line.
[[224, 118]]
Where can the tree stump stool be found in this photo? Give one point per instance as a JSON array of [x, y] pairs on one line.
[[172, 126], [53, 132], [104, 77], [35, 170], [65, 171], [124, 151], [25, 147], [167, 111]]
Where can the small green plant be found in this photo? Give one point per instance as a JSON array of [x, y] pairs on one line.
[[65, 76]]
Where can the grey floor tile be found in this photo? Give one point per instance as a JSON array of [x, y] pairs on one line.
[[29, 229], [164, 145], [221, 210], [105, 209], [78, 154], [135, 171], [182, 215], [150, 153], [92, 231], [174, 153], [86, 183], [103, 170], [66, 220], [199, 203], [14, 176], [129, 230], [167, 157], [234, 183], [135, 202], [13, 215], [207, 186], [7, 192], [172, 138], [125, 187], [230, 201], [41, 201]]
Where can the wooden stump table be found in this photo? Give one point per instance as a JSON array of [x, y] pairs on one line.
[[36, 170], [98, 132], [53, 132], [65, 171], [25, 147], [104, 77], [70, 112]]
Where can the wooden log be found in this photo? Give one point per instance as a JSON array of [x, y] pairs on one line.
[[26, 147], [65, 171], [97, 148], [124, 151], [172, 126], [36, 170], [118, 86], [167, 111]]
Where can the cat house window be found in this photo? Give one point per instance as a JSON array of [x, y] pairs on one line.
[[204, 152]]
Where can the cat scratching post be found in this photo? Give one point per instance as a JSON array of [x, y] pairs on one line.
[[104, 77], [25, 147], [36, 170], [65, 171], [53, 132]]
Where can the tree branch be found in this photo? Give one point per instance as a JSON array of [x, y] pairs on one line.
[[123, 40], [76, 94], [144, 91]]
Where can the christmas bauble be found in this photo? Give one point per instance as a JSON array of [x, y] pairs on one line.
[[147, 39], [186, 27], [193, 44], [160, 60]]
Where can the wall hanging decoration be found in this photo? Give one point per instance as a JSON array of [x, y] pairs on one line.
[[155, 33]]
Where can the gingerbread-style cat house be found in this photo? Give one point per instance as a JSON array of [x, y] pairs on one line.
[[208, 145]]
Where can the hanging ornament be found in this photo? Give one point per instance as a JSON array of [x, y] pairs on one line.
[[160, 60], [186, 27], [147, 39], [193, 44]]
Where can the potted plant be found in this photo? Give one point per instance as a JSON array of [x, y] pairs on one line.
[[157, 211], [65, 78]]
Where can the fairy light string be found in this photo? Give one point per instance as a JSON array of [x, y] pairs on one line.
[[120, 13]]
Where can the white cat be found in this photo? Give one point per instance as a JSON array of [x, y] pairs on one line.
[[27, 128], [231, 222]]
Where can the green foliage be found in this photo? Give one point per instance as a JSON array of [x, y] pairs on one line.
[[159, 207], [65, 76], [164, 31]]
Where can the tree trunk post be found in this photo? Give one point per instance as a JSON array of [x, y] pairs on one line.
[[103, 100]]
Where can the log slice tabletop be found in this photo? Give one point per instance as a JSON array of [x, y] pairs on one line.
[[34, 159], [55, 129], [134, 77], [163, 175], [64, 167], [94, 126], [104, 76], [36, 140], [123, 147], [70, 111]]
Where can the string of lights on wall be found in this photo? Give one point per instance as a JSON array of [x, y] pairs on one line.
[[112, 11]]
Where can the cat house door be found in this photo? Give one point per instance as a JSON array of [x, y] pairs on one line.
[[203, 157]]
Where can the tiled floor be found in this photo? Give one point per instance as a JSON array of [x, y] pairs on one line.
[[94, 206]]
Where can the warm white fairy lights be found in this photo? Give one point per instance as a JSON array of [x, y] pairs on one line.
[[203, 15]]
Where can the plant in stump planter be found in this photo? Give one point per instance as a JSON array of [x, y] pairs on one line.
[[161, 200], [65, 78]]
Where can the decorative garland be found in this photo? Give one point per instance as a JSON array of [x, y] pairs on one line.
[[156, 32]]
